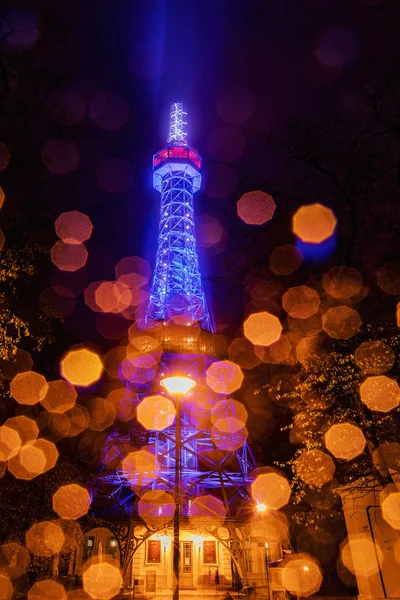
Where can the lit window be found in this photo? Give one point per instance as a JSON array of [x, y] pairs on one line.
[[248, 555], [112, 547], [89, 548]]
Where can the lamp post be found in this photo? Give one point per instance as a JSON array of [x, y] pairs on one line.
[[177, 386], [267, 571], [262, 508], [305, 569], [198, 539]]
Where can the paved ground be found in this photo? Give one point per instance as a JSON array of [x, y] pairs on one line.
[[183, 595]]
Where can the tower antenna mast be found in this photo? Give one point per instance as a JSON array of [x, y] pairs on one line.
[[177, 292]]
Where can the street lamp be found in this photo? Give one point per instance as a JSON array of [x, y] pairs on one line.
[[267, 570], [177, 386], [262, 508]]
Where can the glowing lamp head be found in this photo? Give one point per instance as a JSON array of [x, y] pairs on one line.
[[178, 385], [261, 507], [198, 539], [165, 539]]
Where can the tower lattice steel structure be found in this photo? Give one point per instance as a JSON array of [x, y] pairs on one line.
[[179, 332], [177, 288]]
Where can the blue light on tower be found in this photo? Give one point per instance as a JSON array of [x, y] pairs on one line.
[[177, 289]]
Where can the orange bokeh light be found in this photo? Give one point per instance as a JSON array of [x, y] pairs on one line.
[[45, 538], [285, 260], [102, 580], [112, 360], [313, 223], [207, 509], [14, 560], [73, 535], [224, 377], [156, 412], [102, 413], [156, 506], [68, 257], [60, 396], [26, 428], [308, 350], [113, 296], [309, 327], [278, 352], [374, 358], [71, 501], [81, 367], [228, 408], [34, 458], [90, 295], [47, 589], [301, 302], [342, 282], [133, 271], [71, 423], [271, 489], [21, 361], [73, 227], [314, 467], [380, 393], [360, 555], [256, 208], [123, 400], [10, 442], [6, 587], [228, 434], [390, 505], [341, 322], [345, 441], [241, 352], [28, 387], [210, 233], [301, 575], [388, 278], [387, 456], [262, 329], [272, 525], [140, 467]]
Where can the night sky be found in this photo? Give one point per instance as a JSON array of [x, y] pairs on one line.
[[89, 89], [241, 69]]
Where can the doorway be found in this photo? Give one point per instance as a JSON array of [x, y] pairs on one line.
[[186, 565]]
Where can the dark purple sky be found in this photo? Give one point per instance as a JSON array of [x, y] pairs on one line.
[[241, 68]]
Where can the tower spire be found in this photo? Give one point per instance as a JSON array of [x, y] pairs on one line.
[[177, 289], [177, 124]]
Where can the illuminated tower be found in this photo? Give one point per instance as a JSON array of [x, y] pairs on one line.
[[177, 290], [202, 454]]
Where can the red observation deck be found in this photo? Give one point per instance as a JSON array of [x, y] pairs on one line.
[[176, 158]]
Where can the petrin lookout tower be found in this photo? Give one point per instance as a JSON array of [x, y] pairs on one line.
[[203, 460], [177, 288]]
